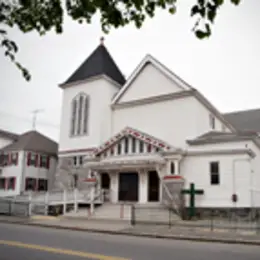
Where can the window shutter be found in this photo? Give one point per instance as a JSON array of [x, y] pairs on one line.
[[41, 160], [16, 158], [14, 183], [28, 158], [36, 160], [6, 183], [48, 162]]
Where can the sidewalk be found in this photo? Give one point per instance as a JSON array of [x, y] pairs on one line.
[[124, 228]]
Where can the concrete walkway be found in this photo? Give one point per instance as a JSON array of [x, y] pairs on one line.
[[152, 231]]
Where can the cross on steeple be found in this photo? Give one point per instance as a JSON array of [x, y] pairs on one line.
[[102, 39], [192, 192]]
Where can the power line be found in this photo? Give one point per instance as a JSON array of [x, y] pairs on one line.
[[40, 122]]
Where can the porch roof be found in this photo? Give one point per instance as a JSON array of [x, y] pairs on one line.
[[130, 161], [129, 131]]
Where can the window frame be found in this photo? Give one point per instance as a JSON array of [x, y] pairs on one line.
[[214, 173], [79, 115], [212, 121]]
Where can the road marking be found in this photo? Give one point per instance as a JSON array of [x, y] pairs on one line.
[[60, 251]]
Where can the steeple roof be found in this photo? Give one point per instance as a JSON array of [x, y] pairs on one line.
[[98, 63]]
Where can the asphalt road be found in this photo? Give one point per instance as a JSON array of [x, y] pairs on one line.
[[31, 243]]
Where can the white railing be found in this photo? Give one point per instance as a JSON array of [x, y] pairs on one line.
[[170, 200]]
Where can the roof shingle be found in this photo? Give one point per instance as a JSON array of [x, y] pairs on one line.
[[33, 141], [247, 120], [8, 135], [98, 63]]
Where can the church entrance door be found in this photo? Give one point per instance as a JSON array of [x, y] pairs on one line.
[[153, 186], [105, 181], [128, 186]]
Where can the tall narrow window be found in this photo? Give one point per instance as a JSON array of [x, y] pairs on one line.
[[79, 115], [214, 173], [86, 113], [119, 148], [79, 128], [73, 117], [141, 147], [80, 160], [75, 161], [172, 165], [126, 145], [133, 145], [212, 121]]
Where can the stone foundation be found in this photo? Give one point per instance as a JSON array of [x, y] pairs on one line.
[[240, 214]]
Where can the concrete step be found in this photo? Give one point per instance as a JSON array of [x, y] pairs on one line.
[[112, 211]]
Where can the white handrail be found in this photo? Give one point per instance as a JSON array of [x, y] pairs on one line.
[[172, 200]]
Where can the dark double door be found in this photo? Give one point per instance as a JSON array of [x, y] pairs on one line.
[[153, 186], [128, 187]]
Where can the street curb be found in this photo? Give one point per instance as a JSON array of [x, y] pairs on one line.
[[147, 235]]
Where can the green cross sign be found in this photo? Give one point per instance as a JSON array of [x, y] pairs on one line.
[[192, 192]]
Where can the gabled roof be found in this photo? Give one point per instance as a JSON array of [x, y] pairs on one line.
[[163, 146], [33, 141], [186, 88], [246, 120], [148, 59], [8, 135], [98, 63]]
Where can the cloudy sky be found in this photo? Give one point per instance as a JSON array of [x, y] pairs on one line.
[[224, 68]]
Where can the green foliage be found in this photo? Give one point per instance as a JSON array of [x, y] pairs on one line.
[[45, 15]]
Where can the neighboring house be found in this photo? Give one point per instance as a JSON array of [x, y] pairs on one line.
[[246, 120], [7, 138], [141, 135], [28, 163]]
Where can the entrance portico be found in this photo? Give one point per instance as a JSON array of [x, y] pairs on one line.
[[129, 176], [135, 163]]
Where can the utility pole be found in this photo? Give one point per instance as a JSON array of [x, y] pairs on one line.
[[35, 113]]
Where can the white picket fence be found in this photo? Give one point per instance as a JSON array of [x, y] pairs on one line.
[[38, 202]]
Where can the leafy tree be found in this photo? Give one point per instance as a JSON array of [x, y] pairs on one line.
[[45, 15]]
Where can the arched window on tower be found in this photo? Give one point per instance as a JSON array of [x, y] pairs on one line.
[[73, 117], [86, 115], [79, 115], [79, 127]]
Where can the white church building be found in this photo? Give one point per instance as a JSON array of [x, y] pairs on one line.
[[144, 137]]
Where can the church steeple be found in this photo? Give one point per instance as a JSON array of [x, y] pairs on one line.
[[98, 63]]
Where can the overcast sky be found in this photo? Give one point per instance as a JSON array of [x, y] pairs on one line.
[[225, 68]]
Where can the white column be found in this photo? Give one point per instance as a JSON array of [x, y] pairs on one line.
[[130, 144], [92, 196], [30, 204], [115, 149], [75, 200], [137, 146], [145, 147], [122, 146], [143, 186], [114, 187], [64, 201], [177, 167], [46, 202]]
